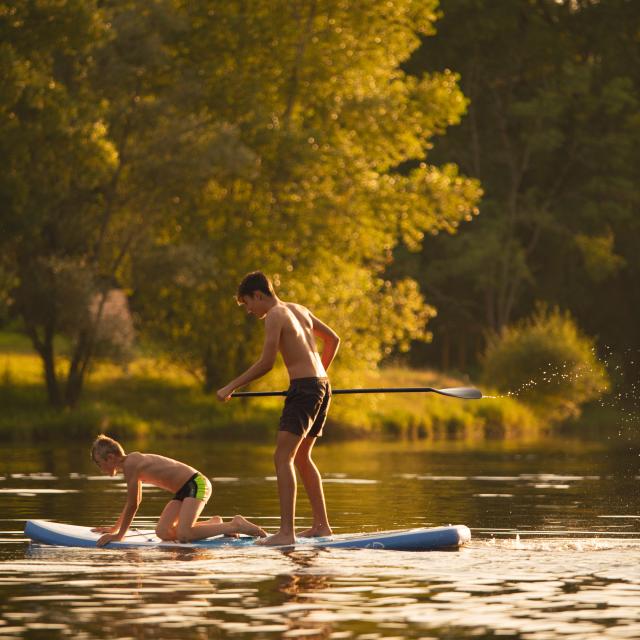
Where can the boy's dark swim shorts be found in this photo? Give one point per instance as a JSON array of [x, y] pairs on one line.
[[306, 407], [197, 486]]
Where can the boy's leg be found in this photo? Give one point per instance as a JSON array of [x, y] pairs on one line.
[[189, 513], [286, 446], [189, 530], [166, 527], [312, 481], [309, 472]]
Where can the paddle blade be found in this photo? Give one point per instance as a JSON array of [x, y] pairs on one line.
[[465, 393]]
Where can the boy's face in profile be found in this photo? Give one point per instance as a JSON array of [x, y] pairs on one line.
[[254, 304], [107, 464]]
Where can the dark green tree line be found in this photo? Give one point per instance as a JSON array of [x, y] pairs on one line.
[[552, 133]]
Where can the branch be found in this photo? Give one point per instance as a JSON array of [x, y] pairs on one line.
[[300, 50]]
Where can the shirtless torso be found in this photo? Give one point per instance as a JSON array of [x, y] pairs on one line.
[[166, 473], [297, 342], [290, 329]]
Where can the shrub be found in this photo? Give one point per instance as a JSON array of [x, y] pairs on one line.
[[546, 362], [506, 418]]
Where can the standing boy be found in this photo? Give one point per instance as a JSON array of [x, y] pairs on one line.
[[291, 329], [179, 519]]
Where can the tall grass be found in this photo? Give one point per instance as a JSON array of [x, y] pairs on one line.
[[149, 397], [428, 415], [153, 397]]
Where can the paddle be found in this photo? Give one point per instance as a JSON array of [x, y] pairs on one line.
[[464, 393]]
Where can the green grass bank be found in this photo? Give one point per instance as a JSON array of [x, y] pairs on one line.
[[155, 398]]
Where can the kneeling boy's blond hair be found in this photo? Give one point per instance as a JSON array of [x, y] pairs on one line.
[[103, 446]]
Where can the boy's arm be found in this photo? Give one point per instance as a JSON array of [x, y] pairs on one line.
[[134, 497], [108, 528], [330, 341], [121, 517], [272, 329]]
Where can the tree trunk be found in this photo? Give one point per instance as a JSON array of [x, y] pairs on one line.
[[51, 379], [45, 349], [73, 390], [212, 378], [82, 355], [75, 378]]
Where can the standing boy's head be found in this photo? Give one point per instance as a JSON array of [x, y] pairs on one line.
[[256, 293], [106, 453], [252, 282]]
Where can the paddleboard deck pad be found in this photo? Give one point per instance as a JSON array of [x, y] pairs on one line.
[[431, 539]]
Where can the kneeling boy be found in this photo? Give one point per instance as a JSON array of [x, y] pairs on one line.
[[179, 519]]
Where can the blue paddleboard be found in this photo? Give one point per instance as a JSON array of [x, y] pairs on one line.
[[432, 539]]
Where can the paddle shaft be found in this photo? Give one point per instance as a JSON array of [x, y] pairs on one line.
[[461, 392]]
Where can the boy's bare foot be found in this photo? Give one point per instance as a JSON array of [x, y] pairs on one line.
[[278, 539], [242, 525], [219, 520], [316, 532]]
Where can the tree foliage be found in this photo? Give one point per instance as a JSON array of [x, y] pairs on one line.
[[552, 133], [86, 138], [546, 361], [57, 155], [316, 115], [165, 148]]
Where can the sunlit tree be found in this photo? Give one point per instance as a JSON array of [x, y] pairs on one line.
[[86, 137], [318, 116], [165, 148]]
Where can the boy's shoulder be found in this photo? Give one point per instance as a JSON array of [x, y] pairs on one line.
[[132, 461], [296, 307], [283, 310], [289, 314]]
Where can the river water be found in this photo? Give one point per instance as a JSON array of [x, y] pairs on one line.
[[555, 551]]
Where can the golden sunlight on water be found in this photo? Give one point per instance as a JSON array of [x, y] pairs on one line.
[[554, 553]]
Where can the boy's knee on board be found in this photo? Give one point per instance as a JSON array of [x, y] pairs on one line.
[[166, 532], [184, 533]]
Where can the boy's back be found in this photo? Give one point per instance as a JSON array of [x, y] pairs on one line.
[[151, 468], [297, 342]]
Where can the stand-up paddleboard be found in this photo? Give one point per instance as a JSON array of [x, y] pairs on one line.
[[432, 539]]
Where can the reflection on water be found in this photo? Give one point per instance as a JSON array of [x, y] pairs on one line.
[[555, 549]]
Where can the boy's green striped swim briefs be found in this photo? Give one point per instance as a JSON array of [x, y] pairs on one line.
[[197, 486]]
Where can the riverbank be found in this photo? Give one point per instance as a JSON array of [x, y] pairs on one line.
[[155, 398]]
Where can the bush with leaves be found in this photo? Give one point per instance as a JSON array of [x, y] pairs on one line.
[[546, 362]]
